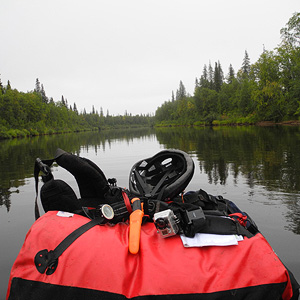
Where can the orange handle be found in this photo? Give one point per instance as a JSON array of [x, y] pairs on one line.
[[135, 223]]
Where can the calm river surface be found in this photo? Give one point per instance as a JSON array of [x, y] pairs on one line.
[[256, 167]]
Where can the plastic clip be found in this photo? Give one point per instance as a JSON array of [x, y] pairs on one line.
[[135, 223]]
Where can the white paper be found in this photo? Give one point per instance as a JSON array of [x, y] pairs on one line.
[[207, 239], [65, 214]]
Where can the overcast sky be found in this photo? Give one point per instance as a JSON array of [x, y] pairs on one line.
[[130, 54]]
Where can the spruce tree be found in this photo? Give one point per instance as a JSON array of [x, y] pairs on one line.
[[8, 87], [1, 88], [246, 64], [203, 82], [37, 86], [181, 92], [205, 72], [231, 74], [75, 108], [218, 77], [43, 94], [63, 101], [221, 74], [210, 76]]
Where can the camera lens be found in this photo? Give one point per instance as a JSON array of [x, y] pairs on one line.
[[160, 223]]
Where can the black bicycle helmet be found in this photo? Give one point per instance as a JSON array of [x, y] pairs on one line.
[[162, 176]]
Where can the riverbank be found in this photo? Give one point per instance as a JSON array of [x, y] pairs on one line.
[[288, 123], [23, 133], [230, 123]]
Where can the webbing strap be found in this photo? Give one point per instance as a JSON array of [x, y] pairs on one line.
[[216, 225], [147, 192], [43, 166], [159, 184], [48, 260]]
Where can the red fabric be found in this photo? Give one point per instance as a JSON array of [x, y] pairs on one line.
[[127, 202], [240, 218], [100, 260]]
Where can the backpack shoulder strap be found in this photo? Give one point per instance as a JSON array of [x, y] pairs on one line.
[[91, 180]]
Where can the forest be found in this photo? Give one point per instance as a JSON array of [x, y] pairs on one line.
[[33, 113], [267, 90]]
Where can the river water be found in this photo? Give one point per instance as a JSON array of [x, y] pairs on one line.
[[258, 168]]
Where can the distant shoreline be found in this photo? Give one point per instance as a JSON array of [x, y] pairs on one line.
[[228, 123]]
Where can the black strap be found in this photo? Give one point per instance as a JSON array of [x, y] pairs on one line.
[[216, 225], [48, 260], [151, 193], [44, 167]]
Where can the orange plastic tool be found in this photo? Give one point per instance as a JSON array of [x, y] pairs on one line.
[[135, 223]]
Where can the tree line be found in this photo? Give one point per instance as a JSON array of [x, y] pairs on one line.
[[267, 90], [33, 113]]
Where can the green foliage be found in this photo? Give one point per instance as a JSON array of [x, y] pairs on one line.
[[31, 114], [268, 90], [290, 34]]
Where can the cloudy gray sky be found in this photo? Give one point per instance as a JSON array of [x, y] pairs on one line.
[[130, 54]]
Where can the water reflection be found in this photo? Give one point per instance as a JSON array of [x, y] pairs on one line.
[[265, 156]]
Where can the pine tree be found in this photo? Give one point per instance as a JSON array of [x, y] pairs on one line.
[[246, 64], [173, 98]]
